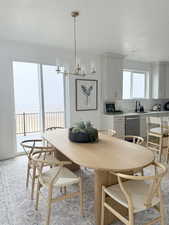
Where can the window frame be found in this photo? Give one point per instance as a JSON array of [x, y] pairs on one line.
[[146, 74]]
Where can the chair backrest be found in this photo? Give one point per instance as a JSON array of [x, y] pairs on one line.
[[53, 128], [155, 120], [158, 122], [109, 132], [33, 145], [154, 182], [135, 139], [41, 160]]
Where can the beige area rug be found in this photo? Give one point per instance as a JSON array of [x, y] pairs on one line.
[[16, 208]]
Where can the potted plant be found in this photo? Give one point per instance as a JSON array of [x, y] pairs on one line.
[[83, 132]]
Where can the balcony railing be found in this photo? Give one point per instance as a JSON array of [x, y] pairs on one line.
[[30, 122]]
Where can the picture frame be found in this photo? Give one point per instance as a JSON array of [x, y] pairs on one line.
[[86, 94]]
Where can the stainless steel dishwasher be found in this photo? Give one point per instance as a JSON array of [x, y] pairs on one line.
[[132, 125]]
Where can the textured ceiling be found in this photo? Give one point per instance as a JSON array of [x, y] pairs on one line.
[[136, 28]]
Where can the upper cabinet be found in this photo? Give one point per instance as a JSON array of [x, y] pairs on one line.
[[160, 80], [112, 77]]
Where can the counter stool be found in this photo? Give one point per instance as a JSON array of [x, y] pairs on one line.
[[157, 134]]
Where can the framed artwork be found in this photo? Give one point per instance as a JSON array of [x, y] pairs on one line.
[[86, 94]]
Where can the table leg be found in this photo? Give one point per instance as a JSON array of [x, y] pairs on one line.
[[73, 167], [105, 178]]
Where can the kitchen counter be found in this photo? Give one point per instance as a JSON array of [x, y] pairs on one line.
[[117, 121], [135, 113]]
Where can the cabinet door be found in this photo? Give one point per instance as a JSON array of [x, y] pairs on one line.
[[107, 123], [112, 78], [143, 126], [119, 126]]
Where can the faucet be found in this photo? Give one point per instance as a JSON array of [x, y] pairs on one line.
[[138, 106]]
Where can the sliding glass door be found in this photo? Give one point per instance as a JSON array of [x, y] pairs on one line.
[[39, 99], [53, 92]]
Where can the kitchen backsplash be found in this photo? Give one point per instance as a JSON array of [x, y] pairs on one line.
[[129, 105]]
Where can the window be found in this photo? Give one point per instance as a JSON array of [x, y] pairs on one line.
[[134, 84]]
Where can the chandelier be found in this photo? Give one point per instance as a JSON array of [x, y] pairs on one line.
[[78, 70]]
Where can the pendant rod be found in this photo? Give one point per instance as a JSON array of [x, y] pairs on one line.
[[74, 15], [75, 41]]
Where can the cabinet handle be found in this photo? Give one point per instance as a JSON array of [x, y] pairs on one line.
[[133, 118]]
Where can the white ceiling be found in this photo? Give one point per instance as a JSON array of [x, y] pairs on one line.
[[136, 28]]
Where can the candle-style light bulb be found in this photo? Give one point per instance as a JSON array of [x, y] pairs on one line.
[[83, 71], [57, 69], [93, 68]]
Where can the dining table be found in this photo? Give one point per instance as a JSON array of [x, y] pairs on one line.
[[107, 154]]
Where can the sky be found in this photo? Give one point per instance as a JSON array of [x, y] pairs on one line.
[[26, 88]]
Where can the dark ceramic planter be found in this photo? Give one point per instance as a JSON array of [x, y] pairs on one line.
[[81, 137]]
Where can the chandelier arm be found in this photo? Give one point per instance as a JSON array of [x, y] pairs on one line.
[[78, 71]]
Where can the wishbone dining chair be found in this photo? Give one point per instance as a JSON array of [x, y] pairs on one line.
[[136, 193]]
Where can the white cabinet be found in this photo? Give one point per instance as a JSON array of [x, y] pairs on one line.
[[167, 81], [112, 77], [143, 127], [160, 80], [119, 126], [116, 123]]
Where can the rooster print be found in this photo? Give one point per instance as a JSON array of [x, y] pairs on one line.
[[87, 92]]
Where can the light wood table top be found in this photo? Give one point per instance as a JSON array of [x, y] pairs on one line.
[[109, 153]]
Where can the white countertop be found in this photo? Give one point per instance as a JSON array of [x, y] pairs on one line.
[[137, 114]]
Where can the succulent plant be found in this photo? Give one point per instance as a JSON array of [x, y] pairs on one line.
[[86, 128]]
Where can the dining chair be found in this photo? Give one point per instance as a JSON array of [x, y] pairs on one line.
[[31, 146], [136, 193], [135, 139], [53, 128], [157, 135], [109, 132], [56, 177]]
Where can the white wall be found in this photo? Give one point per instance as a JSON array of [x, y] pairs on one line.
[[7, 125], [108, 81], [11, 51], [136, 65]]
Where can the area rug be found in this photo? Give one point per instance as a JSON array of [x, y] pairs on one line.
[[16, 207]]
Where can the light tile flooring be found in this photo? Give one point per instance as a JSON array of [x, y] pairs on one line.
[[16, 208]]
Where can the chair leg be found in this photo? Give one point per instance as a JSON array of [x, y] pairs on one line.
[[65, 190], [160, 148], [162, 210], [33, 182], [131, 216], [147, 144], [167, 155], [49, 205], [102, 207], [142, 172], [28, 174], [81, 197], [167, 151], [37, 195]]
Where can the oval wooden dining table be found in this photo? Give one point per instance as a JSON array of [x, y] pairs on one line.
[[108, 154]]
